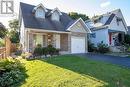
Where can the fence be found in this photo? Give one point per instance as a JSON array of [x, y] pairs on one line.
[[2, 52], [5, 51]]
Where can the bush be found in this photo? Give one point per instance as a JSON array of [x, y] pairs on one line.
[[102, 48], [38, 51], [91, 47], [49, 50], [127, 39], [12, 72]]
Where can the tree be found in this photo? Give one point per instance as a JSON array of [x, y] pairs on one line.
[[14, 34], [3, 31], [14, 24], [127, 39], [75, 15]]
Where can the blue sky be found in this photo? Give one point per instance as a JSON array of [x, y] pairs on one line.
[[88, 7]]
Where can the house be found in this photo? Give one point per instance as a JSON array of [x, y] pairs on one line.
[[108, 28], [128, 29], [40, 25]]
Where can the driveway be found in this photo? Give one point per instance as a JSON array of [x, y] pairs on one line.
[[121, 61]]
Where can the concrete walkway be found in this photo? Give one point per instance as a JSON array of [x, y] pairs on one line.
[[121, 61]]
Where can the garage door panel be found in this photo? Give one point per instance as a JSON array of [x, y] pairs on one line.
[[78, 44]]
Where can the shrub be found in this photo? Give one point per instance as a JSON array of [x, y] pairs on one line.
[[12, 72], [51, 50], [91, 47], [127, 39], [102, 48], [38, 51]]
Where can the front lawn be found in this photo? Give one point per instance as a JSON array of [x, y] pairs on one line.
[[73, 71]]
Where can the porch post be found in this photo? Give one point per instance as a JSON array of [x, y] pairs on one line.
[[110, 38]]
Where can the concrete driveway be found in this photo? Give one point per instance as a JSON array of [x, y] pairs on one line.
[[121, 61]]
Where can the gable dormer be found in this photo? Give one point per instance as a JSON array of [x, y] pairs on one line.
[[55, 14], [40, 11]]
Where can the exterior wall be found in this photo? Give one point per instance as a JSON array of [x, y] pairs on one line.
[[23, 36], [101, 35], [78, 28], [64, 42], [115, 26]]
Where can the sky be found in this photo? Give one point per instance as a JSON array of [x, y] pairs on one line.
[[88, 7]]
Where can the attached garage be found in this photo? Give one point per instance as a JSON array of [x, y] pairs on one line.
[[77, 44]]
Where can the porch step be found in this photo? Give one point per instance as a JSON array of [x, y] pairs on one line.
[[117, 48]]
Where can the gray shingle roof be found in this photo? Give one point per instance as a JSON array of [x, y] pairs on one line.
[[128, 30], [31, 22], [110, 19]]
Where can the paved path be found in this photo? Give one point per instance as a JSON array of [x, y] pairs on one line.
[[121, 61]]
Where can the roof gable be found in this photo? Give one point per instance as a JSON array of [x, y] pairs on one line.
[[79, 26], [39, 6]]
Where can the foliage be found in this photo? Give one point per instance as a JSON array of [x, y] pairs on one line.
[[12, 71], [75, 16], [91, 47], [38, 51], [102, 48], [14, 33], [14, 24], [127, 39], [14, 36], [74, 71], [3, 31], [49, 50], [2, 43]]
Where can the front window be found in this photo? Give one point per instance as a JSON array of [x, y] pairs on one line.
[[40, 39]]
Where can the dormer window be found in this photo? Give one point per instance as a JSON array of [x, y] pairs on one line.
[[40, 11], [55, 14]]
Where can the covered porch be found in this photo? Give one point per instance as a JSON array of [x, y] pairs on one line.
[[116, 38], [59, 40]]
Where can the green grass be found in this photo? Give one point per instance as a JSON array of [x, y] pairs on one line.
[[73, 71]]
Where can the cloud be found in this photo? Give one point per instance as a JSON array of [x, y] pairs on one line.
[[105, 4]]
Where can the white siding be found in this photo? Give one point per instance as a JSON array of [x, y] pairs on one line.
[[115, 26], [78, 27], [22, 35], [101, 35]]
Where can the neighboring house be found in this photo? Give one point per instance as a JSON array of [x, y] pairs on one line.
[[39, 25], [128, 30], [109, 28]]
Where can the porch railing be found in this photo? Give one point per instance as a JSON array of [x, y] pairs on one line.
[[2, 52]]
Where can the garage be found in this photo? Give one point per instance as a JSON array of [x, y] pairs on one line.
[[77, 44]]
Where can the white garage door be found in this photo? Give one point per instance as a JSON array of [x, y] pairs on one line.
[[78, 44]]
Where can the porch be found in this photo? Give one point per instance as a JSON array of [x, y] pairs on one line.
[[58, 40], [116, 38]]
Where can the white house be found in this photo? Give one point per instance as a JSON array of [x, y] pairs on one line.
[[40, 25], [109, 28]]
